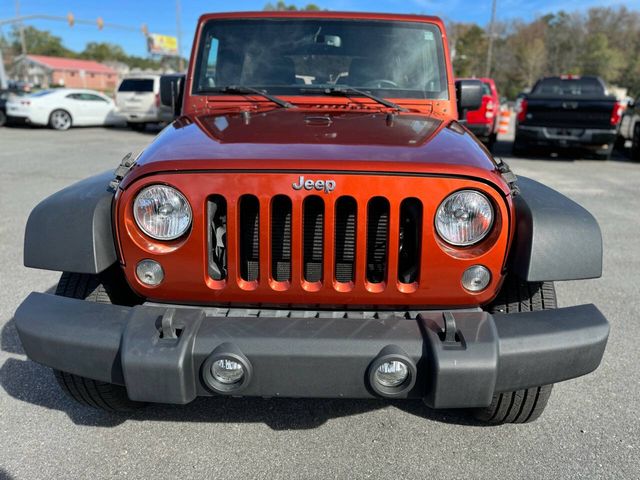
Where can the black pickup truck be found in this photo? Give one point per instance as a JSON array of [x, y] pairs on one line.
[[568, 111]]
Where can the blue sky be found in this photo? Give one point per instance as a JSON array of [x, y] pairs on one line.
[[159, 15]]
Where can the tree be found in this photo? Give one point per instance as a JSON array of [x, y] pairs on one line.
[[469, 42], [104, 51], [281, 6], [39, 42], [598, 58]]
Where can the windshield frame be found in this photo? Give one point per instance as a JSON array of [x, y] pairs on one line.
[[398, 95]]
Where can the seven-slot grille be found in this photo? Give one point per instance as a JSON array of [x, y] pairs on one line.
[[276, 249]]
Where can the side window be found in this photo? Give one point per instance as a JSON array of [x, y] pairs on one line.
[[212, 63], [93, 98]]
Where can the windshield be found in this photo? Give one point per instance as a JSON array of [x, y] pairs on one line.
[[136, 85], [579, 87], [285, 56]]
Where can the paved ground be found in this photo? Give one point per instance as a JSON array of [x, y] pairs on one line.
[[591, 428]]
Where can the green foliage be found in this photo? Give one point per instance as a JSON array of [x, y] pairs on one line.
[[469, 42], [282, 6], [603, 41], [599, 58], [38, 42]]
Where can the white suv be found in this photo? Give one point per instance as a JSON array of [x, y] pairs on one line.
[[138, 100]]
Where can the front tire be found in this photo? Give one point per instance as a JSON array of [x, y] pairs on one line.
[[526, 405], [60, 120], [109, 287], [3, 118]]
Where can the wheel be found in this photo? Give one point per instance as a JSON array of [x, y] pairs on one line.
[[604, 154], [3, 118], [60, 120], [491, 141], [138, 127], [108, 287], [525, 405], [635, 145], [519, 147]]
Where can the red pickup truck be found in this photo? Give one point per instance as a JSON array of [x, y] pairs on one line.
[[483, 122], [315, 223]]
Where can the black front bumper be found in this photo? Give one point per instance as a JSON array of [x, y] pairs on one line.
[[478, 355]]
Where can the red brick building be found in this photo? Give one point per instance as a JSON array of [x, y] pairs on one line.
[[45, 72]]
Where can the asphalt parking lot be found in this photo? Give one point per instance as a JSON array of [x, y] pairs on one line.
[[591, 428]]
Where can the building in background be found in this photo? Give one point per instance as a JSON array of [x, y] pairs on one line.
[[45, 72]]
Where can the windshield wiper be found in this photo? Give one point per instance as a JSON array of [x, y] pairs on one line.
[[345, 90], [242, 90]]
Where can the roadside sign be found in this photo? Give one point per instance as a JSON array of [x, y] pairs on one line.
[[162, 45]]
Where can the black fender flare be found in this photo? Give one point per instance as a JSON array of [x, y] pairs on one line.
[[71, 231], [556, 239]]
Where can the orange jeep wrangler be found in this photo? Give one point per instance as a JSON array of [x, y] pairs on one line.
[[315, 223]]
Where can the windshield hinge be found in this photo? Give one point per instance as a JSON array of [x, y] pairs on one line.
[[125, 167], [508, 175]]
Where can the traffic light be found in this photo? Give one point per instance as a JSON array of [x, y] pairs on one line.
[[100, 23], [71, 19]]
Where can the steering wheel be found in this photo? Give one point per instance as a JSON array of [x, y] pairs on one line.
[[381, 83]]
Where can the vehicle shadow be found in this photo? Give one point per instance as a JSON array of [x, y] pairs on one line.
[[9, 340], [4, 475], [30, 382], [35, 384]]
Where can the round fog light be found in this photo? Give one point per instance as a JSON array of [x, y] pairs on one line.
[[227, 371], [150, 272], [476, 278], [391, 374]]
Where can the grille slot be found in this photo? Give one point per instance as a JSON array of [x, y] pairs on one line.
[[281, 238], [249, 238], [217, 214], [410, 244], [381, 224], [345, 239], [313, 245], [377, 239]]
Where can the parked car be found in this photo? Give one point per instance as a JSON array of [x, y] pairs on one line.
[[630, 128], [287, 239], [568, 111], [63, 108], [483, 122], [5, 95], [138, 101]]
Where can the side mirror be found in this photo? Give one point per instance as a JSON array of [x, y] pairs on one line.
[[469, 96], [172, 91]]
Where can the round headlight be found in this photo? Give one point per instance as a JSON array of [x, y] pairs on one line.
[[464, 218], [162, 212]]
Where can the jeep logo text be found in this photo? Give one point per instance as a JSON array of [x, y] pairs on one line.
[[325, 186]]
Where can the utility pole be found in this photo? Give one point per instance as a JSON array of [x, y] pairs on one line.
[[491, 35], [179, 36], [23, 43]]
